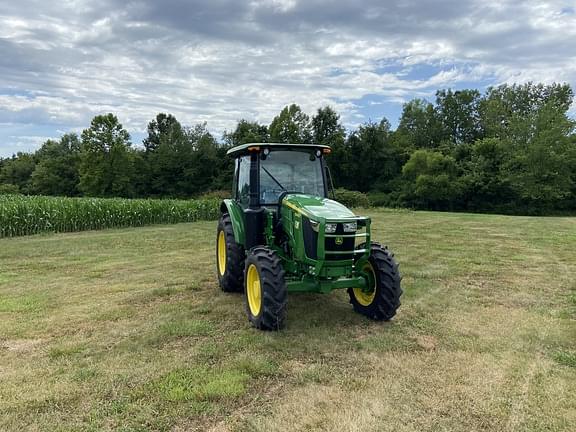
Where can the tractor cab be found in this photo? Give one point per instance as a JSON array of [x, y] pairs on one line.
[[280, 215], [280, 169]]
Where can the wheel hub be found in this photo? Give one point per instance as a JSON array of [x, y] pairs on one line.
[[221, 253], [365, 296], [253, 290]]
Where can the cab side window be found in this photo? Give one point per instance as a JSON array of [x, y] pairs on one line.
[[243, 193]]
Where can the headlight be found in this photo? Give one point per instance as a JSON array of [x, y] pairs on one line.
[[330, 228], [350, 227], [315, 225]]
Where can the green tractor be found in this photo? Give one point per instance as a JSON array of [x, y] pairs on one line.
[[281, 233]]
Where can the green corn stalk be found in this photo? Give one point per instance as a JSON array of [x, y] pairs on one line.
[[27, 215]]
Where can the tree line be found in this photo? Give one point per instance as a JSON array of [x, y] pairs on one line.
[[511, 149]]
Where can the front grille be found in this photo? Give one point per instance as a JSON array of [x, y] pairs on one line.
[[346, 246], [310, 239]]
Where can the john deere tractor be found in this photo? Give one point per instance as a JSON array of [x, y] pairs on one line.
[[281, 233]]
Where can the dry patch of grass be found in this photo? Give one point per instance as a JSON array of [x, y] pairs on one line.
[[455, 391], [127, 330]]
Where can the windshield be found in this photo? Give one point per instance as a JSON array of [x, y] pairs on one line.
[[290, 171]]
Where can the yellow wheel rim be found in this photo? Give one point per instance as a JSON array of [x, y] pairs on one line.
[[363, 296], [253, 290], [221, 253]]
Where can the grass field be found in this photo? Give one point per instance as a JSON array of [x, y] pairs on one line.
[[127, 330]]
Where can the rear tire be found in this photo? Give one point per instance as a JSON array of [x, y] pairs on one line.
[[265, 289], [383, 300], [230, 257]]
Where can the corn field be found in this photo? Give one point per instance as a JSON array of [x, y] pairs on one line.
[[25, 215]]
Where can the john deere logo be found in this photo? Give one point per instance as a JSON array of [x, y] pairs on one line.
[[339, 240]]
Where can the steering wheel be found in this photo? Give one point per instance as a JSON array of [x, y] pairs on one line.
[[283, 195]]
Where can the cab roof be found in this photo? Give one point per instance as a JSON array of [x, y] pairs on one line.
[[246, 148]]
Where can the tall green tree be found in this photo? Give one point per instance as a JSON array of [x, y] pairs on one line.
[[485, 178], [544, 174], [459, 113], [431, 181], [371, 159], [246, 132], [184, 161], [533, 120], [17, 171], [511, 111], [57, 170], [327, 128], [420, 126], [292, 125], [168, 154], [203, 174], [106, 161], [163, 129]]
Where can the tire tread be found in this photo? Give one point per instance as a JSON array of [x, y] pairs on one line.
[[387, 300], [233, 278], [274, 295]]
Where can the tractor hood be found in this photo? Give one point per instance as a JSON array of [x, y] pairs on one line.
[[316, 207]]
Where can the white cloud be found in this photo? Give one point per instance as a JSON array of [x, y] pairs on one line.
[[63, 63]]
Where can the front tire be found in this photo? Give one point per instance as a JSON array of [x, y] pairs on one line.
[[381, 299], [230, 257], [265, 289]]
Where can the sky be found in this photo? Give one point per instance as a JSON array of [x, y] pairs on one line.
[[219, 61]]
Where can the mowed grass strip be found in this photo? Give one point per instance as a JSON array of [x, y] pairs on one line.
[[127, 330]]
